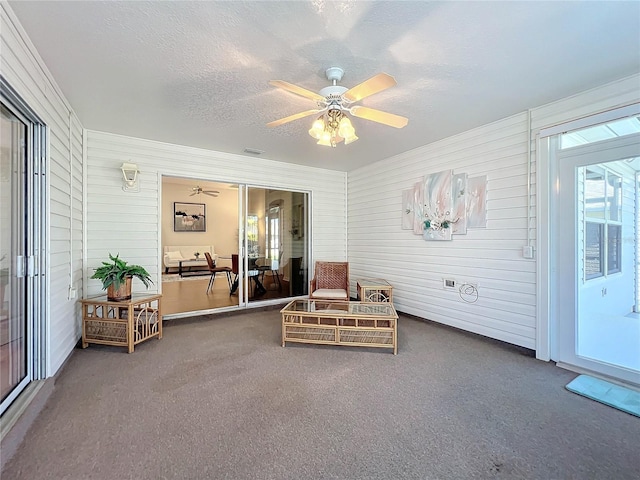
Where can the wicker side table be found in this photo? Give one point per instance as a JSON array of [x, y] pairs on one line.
[[123, 324], [374, 290]]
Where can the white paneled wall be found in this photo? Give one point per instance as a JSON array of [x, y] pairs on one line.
[[128, 223], [25, 71], [490, 257]]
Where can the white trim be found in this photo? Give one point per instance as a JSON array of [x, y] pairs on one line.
[[160, 252], [17, 408], [597, 119], [85, 192], [543, 278]]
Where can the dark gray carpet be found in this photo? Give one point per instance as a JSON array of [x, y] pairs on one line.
[[220, 398]]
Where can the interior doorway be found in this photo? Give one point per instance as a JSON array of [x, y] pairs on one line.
[[596, 220], [257, 239]]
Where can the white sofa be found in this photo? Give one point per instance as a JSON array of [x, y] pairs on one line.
[[173, 254]]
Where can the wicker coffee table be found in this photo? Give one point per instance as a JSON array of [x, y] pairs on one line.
[[358, 324]]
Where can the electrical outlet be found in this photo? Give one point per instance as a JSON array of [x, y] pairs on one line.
[[72, 293], [448, 283], [527, 251]]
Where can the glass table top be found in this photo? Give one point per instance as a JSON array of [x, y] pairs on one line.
[[373, 282], [340, 308]]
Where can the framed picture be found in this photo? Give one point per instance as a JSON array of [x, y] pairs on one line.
[[459, 207], [189, 217], [477, 202], [418, 208], [437, 205]]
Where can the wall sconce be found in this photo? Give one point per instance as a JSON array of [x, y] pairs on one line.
[[130, 174]]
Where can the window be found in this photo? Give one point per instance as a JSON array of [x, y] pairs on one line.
[[603, 222], [273, 232], [252, 235], [593, 260], [598, 133], [614, 244]]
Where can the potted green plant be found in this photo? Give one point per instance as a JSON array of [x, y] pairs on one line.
[[116, 278]]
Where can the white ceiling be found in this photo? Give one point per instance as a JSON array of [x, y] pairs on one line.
[[196, 73]]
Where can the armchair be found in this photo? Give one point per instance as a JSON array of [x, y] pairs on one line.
[[330, 281]]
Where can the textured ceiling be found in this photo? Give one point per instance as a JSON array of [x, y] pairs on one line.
[[196, 73]]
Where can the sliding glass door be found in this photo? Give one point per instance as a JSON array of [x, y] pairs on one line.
[[14, 372], [257, 237], [277, 244], [21, 240]]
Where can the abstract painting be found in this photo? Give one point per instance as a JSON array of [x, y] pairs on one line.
[[477, 202], [189, 217], [418, 208], [438, 206], [459, 207], [407, 209]]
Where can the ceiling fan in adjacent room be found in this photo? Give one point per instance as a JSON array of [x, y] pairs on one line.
[[334, 102], [197, 190]]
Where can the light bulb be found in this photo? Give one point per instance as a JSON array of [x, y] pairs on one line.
[[325, 139], [317, 128], [345, 126], [350, 138]]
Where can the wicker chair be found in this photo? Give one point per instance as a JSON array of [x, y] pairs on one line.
[[330, 281]]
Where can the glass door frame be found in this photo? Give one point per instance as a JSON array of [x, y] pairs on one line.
[[564, 303], [30, 261], [244, 288]]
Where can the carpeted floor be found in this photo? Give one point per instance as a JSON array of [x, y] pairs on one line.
[[219, 398]]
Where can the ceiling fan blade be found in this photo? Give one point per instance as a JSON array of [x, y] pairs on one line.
[[212, 193], [303, 92], [379, 116], [291, 118], [375, 84]]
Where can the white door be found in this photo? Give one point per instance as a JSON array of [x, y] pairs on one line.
[[596, 258]]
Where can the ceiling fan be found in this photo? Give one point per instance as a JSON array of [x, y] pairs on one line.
[[333, 102], [197, 190]]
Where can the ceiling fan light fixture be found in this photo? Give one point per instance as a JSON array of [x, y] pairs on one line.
[[333, 127], [334, 101]]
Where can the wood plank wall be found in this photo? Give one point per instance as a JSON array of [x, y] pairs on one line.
[[27, 73], [128, 223], [490, 257]]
